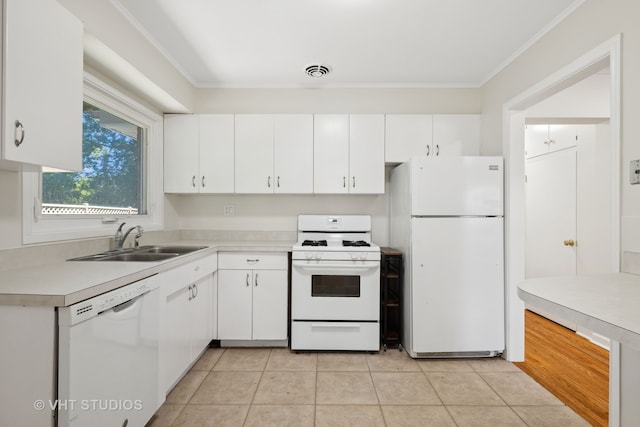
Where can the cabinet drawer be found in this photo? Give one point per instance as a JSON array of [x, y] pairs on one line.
[[252, 260], [186, 274]]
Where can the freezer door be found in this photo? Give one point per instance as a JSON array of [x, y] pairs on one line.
[[457, 186], [457, 288]]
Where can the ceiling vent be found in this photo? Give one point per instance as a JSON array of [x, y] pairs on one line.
[[317, 70]]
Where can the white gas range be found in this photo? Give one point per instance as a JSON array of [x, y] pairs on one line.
[[335, 284]]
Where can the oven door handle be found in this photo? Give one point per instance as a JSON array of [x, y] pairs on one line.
[[348, 265]]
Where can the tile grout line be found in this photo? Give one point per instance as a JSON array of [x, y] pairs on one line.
[[197, 388], [375, 389]]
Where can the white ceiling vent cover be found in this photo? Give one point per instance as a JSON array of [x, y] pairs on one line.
[[317, 70]]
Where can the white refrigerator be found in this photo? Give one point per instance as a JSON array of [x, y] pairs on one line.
[[446, 216]]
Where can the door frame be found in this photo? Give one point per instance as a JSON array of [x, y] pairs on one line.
[[608, 53]]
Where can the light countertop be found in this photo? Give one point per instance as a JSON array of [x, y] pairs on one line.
[[608, 304], [67, 282]]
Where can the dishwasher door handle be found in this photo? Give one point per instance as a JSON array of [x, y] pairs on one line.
[[125, 305]]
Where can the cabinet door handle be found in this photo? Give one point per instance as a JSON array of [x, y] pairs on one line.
[[202, 181], [344, 182], [193, 181], [190, 292], [569, 243], [354, 182], [278, 182], [428, 149], [20, 127], [269, 182], [247, 279], [194, 289], [437, 150], [256, 280]]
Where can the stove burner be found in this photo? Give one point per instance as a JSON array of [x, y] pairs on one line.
[[314, 243], [355, 243]]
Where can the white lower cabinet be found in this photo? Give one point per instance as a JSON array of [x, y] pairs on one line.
[[185, 317], [252, 296]]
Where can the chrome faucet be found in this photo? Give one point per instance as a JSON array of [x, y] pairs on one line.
[[121, 237]]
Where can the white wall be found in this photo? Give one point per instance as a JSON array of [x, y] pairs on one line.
[[588, 98], [276, 212], [380, 100], [10, 210]]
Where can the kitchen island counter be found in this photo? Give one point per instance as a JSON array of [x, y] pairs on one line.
[[65, 283], [606, 304]]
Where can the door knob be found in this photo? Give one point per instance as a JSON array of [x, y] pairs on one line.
[[569, 243]]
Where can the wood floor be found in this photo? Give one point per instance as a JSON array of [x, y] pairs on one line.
[[575, 370]]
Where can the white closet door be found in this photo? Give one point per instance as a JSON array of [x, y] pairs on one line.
[[551, 214]]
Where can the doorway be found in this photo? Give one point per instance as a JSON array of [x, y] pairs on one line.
[[514, 117], [567, 194]]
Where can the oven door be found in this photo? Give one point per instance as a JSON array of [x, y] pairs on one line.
[[335, 290]]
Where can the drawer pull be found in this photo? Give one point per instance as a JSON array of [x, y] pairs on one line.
[[253, 261], [336, 325]]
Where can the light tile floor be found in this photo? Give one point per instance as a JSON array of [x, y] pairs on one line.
[[277, 387]]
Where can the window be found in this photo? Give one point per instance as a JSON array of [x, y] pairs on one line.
[[112, 180], [121, 178]]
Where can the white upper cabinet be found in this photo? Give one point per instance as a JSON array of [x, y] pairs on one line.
[[42, 55], [216, 153], [431, 135], [543, 139], [181, 149], [366, 153], [198, 153], [407, 135], [330, 153], [349, 153], [274, 153], [254, 153], [456, 135], [293, 153]]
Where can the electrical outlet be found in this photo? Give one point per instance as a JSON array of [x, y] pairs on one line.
[[229, 210], [634, 172]]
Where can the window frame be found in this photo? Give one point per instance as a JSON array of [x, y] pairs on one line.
[[38, 228]]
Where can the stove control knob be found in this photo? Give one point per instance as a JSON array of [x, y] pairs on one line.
[[354, 256], [318, 256], [363, 257], [308, 255]]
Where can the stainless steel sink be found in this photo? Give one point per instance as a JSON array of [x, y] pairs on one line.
[[138, 256], [169, 249], [141, 254]]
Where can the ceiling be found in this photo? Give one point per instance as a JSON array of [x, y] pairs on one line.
[[365, 43]]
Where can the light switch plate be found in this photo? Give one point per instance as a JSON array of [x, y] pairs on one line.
[[229, 210], [634, 172]]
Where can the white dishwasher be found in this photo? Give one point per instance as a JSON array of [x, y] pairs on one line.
[[108, 358]]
